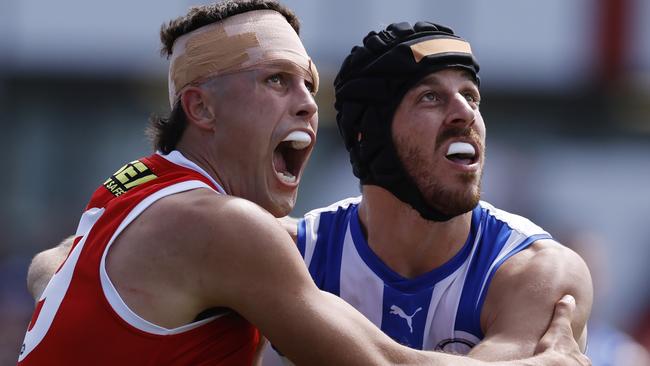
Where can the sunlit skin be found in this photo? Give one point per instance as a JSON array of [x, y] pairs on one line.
[[252, 112], [198, 250], [441, 109]]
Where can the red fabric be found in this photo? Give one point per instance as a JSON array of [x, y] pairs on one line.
[[86, 330]]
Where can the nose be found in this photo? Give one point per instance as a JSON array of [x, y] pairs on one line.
[[304, 106], [460, 111]]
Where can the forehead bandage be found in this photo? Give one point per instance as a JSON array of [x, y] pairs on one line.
[[238, 43]]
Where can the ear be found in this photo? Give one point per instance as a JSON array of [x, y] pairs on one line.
[[196, 105]]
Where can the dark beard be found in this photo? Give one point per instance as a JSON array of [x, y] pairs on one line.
[[449, 202]]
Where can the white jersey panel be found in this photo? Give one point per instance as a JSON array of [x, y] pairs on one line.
[[444, 308], [516, 222], [437, 310], [310, 224], [360, 286]]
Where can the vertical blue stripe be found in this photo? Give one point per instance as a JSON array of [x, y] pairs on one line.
[[325, 266], [302, 238], [523, 245], [494, 235], [404, 315]]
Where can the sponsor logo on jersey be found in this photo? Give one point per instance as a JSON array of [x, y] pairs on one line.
[[394, 309], [131, 175]]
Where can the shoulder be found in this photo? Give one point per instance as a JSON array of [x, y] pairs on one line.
[[337, 206], [221, 242], [203, 214], [319, 224], [545, 267], [197, 230], [523, 293], [545, 260], [538, 276], [515, 222], [329, 215]]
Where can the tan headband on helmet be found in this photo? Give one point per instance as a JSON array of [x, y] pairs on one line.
[[240, 42], [439, 45]]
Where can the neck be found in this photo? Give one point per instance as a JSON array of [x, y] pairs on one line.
[[202, 159], [407, 243]]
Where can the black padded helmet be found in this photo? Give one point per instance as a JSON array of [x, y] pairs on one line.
[[371, 84]]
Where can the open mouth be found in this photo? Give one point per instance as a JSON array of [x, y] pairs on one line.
[[462, 153], [290, 155]]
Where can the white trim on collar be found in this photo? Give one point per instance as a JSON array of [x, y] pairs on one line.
[[178, 158]]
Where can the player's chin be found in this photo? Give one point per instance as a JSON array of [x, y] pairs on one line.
[[455, 202], [282, 203]]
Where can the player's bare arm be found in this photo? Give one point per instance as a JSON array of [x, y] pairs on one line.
[[283, 324], [245, 257], [44, 265], [520, 298]]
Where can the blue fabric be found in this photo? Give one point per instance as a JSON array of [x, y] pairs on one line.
[[405, 315], [494, 234], [395, 280], [325, 266]]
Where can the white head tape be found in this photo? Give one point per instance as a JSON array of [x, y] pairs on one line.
[[239, 42]]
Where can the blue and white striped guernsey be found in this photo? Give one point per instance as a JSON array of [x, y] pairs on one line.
[[437, 310]]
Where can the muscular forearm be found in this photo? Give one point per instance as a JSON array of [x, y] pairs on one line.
[[275, 292], [556, 348], [545, 359]]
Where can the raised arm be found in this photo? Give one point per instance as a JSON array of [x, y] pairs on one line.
[[44, 265], [257, 271], [522, 295]]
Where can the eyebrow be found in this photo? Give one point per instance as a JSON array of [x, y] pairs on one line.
[[433, 79], [430, 79], [469, 76], [283, 65]]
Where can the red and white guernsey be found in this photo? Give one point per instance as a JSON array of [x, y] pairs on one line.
[[80, 318]]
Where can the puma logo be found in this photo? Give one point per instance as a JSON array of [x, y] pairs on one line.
[[394, 309]]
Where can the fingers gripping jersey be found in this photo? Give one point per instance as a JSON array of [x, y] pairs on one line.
[[80, 318], [439, 310]]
